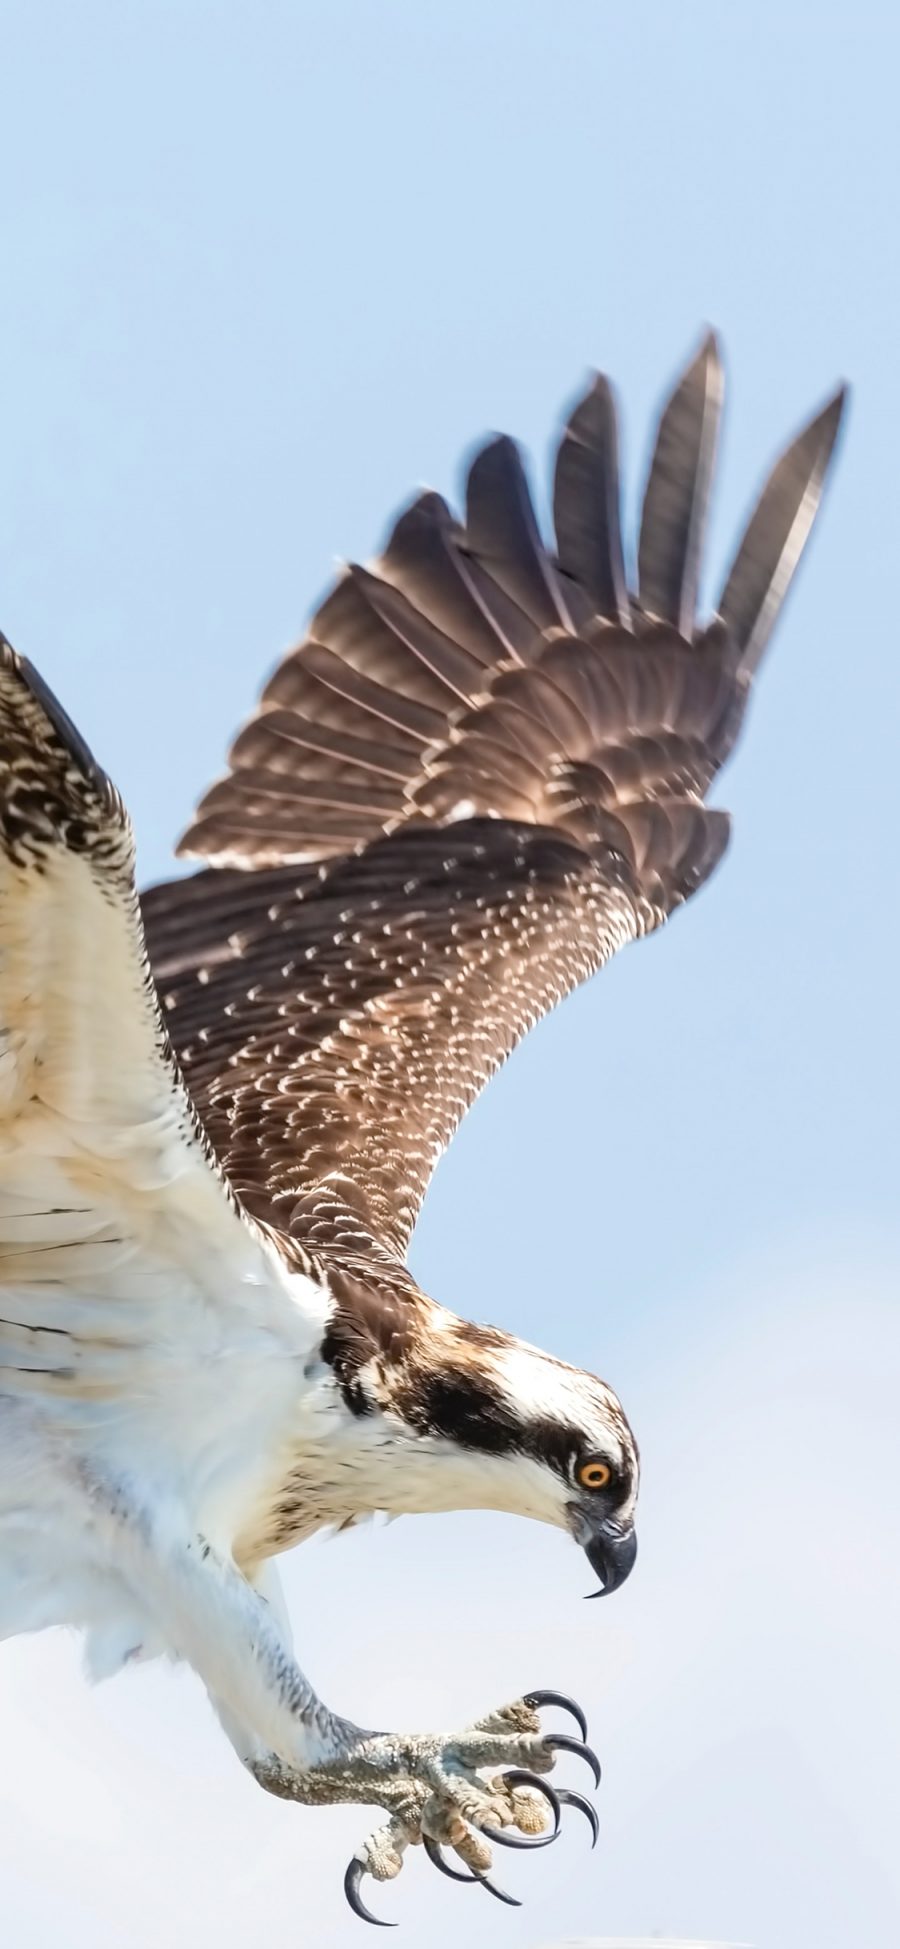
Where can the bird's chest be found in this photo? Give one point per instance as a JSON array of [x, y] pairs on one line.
[[196, 1456], [189, 1403], [209, 1439]]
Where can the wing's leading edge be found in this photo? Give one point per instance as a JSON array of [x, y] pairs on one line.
[[110, 1203]]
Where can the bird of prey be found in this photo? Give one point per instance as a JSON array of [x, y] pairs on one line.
[[482, 772]]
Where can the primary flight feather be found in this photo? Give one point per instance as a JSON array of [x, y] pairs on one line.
[[483, 771]]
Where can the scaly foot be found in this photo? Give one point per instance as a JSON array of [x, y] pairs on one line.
[[436, 1794]]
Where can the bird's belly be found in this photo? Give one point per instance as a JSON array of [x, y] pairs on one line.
[[44, 1583], [198, 1450], [53, 1568]]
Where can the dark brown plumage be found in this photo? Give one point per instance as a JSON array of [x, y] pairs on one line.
[[482, 771]]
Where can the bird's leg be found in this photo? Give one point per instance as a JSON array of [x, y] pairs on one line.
[[431, 1785], [210, 1616]]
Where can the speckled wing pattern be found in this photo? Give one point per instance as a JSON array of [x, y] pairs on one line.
[[482, 772], [110, 1200]]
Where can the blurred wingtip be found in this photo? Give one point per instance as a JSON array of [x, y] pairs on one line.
[[676, 497], [779, 529], [817, 440], [709, 353], [826, 425], [586, 501]]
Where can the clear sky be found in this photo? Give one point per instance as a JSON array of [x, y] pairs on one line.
[[266, 269]]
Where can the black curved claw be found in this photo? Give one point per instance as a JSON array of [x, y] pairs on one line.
[[433, 1851], [561, 1742], [501, 1894], [539, 1699], [578, 1800], [352, 1881], [519, 1777]]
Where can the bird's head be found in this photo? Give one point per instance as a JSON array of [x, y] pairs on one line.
[[470, 1418], [523, 1432]]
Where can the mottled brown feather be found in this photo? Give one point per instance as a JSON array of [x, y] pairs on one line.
[[482, 772]]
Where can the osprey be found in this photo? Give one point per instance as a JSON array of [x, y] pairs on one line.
[[482, 772]]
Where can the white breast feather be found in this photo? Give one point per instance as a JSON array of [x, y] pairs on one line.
[[145, 1326]]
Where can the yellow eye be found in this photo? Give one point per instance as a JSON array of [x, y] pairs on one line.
[[594, 1474]]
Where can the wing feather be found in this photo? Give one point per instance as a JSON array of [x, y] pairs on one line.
[[502, 535], [483, 772], [586, 508], [677, 493], [777, 533], [108, 1190]]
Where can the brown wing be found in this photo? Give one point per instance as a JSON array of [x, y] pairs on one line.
[[480, 774]]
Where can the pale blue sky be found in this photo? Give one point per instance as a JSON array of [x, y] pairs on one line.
[[267, 268]]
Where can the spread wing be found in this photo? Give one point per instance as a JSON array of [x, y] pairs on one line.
[[109, 1198], [482, 772]]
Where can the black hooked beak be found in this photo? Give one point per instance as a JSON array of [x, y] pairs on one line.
[[611, 1551]]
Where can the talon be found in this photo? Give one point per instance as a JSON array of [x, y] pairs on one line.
[[539, 1699], [518, 1777], [561, 1742], [502, 1837], [433, 1851], [352, 1882], [501, 1894], [578, 1800]]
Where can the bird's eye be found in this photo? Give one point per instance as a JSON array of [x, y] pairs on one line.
[[594, 1473]]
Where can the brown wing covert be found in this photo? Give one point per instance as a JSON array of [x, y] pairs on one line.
[[482, 771]]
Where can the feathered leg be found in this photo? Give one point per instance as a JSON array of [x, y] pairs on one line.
[[431, 1785]]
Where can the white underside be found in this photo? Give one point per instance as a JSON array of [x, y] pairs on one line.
[[151, 1340], [192, 1420]]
